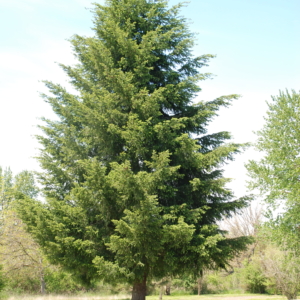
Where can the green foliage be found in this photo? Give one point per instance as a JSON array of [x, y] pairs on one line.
[[57, 282], [215, 280], [60, 282], [255, 278], [2, 281], [6, 187], [22, 284], [20, 256], [10, 185], [281, 269], [133, 182], [25, 183], [221, 282], [276, 175], [184, 284]]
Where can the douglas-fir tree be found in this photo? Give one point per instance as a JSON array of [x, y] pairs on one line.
[[132, 181]]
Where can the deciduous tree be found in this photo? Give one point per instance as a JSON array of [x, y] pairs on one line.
[[20, 255], [277, 174], [6, 184], [283, 268]]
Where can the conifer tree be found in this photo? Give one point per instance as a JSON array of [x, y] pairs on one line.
[[132, 180]]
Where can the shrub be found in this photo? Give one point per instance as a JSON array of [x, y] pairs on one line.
[[255, 279]]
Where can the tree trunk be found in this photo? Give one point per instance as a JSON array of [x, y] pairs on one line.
[[200, 280], [139, 290], [168, 289], [43, 285], [161, 292]]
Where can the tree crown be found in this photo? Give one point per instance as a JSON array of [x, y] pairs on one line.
[[132, 179]]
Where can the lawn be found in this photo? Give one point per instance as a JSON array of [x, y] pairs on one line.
[[181, 297], [220, 297]]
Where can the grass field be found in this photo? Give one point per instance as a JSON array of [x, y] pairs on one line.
[[127, 297], [220, 297]]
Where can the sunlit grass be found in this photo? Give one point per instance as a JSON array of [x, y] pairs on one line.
[[172, 297], [57, 297], [220, 297]]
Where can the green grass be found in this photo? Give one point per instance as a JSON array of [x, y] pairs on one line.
[[220, 297], [172, 297]]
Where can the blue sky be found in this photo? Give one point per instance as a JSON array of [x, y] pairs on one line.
[[256, 43]]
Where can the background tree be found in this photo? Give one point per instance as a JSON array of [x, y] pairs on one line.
[[133, 182], [277, 174], [246, 222], [25, 267], [245, 269], [23, 264], [21, 257], [6, 184], [23, 183], [281, 265]]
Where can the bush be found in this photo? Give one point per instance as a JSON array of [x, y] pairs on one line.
[[255, 279], [20, 284], [2, 282], [58, 281]]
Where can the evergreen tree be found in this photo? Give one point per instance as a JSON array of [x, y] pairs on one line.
[[132, 181]]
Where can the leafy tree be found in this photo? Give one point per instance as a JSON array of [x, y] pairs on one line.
[[20, 255], [23, 183], [133, 182], [276, 175], [24, 265], [6, 184], [281, 266]]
